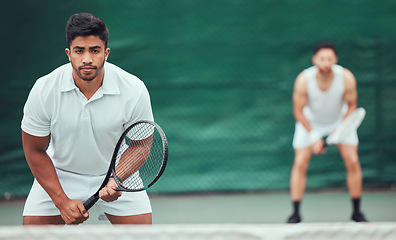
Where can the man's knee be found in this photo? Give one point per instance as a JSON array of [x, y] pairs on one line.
[[134, 219], [42, 220], [301, 160], [352, 163]]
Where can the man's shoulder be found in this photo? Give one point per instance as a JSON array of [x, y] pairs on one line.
[[55, 75], [310, 71], [123, 77], [49, 86], [346, 74], [338, 69], [300, 85]]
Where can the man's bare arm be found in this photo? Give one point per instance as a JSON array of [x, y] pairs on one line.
[[44, 171], [350, 95], [300, 100]]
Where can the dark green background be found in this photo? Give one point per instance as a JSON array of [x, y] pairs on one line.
[[220, 75]]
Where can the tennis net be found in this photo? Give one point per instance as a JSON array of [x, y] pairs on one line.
[[320, 231]]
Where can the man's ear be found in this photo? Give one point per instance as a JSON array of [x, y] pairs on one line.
[[67, 51], [107, 52]]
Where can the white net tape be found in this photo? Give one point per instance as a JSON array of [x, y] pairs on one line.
[[319, 231]]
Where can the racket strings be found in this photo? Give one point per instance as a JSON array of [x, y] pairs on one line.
[[140, 157]]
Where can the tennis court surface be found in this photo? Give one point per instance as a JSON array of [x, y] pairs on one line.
[[247, 208]]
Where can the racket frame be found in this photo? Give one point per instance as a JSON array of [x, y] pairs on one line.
[[164, 162], [358, 113], [111, 171]]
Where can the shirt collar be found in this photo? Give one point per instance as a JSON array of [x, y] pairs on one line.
[[67, 81], [109, 85]]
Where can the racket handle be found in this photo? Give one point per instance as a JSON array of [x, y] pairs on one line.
[[91, 201], [324, 142]]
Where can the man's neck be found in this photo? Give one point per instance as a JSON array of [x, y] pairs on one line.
[[324, 80], [88, 88], [325, 77]]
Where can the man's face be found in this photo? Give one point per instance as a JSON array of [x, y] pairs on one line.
[[87, 56], [324, 59]]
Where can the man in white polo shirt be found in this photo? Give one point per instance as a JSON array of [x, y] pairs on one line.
[[79, 111]]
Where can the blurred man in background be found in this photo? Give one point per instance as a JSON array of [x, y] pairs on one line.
[[323, 95]]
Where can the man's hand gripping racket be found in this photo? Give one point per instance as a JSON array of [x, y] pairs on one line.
[[138, 161], [349, 124]]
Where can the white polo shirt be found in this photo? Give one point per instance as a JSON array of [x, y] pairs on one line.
[[84, 132]]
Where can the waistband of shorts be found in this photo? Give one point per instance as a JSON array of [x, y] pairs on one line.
[[81, 174]]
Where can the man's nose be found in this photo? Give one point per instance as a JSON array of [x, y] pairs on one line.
[[87, 59]]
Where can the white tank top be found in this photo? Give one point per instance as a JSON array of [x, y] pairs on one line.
[[325, 106]]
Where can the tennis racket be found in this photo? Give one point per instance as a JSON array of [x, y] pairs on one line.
[[349, 124], [138, 161]]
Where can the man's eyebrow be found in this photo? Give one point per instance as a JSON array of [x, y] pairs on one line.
[[93, 47]]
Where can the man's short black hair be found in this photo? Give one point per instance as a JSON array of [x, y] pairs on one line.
[[324, 44], [86, 24]]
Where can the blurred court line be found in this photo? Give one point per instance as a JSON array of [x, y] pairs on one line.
[[249, 208]]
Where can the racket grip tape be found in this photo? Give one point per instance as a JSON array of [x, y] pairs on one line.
[[325, 143], [91, 201]]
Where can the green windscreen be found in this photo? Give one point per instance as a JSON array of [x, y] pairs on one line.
[[220, 76]]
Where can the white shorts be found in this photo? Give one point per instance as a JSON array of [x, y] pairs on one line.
[[301, 136], [81, 187]]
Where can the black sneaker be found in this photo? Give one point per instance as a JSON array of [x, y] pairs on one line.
[[358, 217], [295, 218]]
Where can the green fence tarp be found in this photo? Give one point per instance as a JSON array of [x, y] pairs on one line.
[[220, 75]]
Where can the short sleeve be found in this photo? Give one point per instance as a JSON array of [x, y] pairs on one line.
[[142, 109], [35, 120]]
